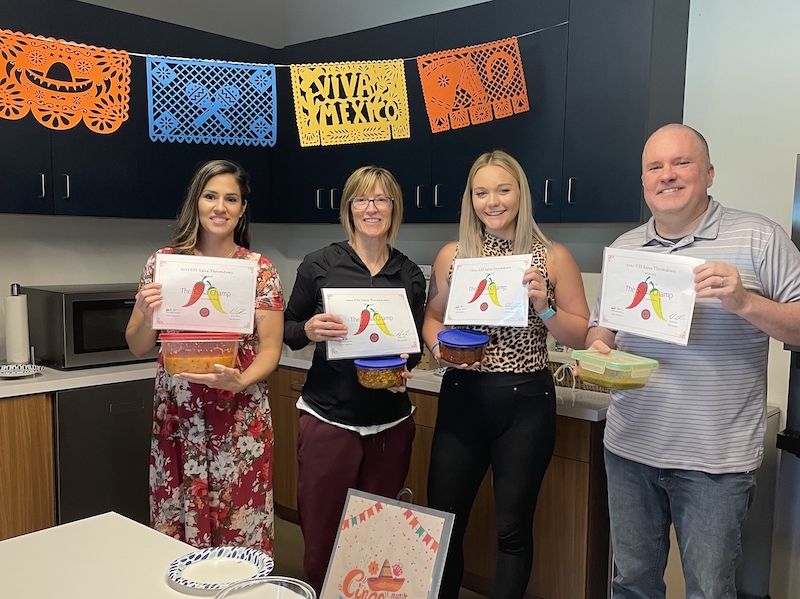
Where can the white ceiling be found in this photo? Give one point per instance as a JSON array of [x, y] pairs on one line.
[[278, 23]]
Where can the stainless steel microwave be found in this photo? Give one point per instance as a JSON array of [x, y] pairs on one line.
[[80, 326]]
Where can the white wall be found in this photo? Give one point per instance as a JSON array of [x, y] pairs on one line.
[[278, 23], [743, 94]]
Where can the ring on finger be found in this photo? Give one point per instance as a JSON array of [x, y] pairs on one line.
[[722, 281]]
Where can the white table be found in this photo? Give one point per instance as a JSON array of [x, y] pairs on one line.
[[103, 557]]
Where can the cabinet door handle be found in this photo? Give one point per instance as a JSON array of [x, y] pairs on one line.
[[333, 196], [570, 181], [436, 196], [66, 187], [44, 191], [547, 201], [297, 386], [417, 198], [318, 199]]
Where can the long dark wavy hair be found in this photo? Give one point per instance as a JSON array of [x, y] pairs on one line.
[[187, 227]]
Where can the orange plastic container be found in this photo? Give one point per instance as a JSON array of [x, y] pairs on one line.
[[197, 353]]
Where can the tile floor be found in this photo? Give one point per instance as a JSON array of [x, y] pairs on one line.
[[289, 554]]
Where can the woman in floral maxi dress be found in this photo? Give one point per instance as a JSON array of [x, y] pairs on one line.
[[212, 445]]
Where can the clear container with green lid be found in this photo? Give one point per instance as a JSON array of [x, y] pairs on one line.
[[616, 370]]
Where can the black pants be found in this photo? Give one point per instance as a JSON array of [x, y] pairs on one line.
[[507, 421]]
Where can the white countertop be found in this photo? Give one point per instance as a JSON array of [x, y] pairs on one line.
[[586, 405], [103, 557], [50, 380]]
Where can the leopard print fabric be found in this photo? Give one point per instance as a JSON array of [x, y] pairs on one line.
[[515, 349]]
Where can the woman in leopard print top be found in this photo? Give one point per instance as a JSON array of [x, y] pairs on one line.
[[501, 411]]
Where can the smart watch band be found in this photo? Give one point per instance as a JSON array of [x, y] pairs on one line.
[[547, 314]]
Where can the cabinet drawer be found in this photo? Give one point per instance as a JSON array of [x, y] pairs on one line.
[[426, 407], [291, 381], [572, 438]]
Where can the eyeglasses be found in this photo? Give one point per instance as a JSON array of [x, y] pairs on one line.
[[380, 203]]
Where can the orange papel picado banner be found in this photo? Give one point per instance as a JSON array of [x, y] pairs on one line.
[[350, 102], [63, 83], [468, 84]]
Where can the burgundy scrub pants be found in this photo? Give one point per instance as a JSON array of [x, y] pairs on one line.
[[332, 460]]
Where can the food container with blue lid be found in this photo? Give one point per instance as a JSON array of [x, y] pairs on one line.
[[615, 370], [461, 346], [380, 373]]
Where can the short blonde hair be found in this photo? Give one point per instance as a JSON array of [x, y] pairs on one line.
[[362, 181], [471, 229]]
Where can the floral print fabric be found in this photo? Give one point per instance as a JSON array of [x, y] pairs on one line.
[[211, 450]]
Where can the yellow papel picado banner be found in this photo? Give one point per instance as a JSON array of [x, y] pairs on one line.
[[350, 102]]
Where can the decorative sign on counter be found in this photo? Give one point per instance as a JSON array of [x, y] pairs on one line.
[[648, 294], [489, 291], [387, 549], [379, 322], [200, 293]]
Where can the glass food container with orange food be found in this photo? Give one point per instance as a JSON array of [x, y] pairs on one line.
[[380, 373], [461, 346], [197, 353]]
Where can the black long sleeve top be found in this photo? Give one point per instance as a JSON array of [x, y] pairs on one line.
[[332, 389]]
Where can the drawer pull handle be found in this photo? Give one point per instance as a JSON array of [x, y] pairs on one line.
[[297, 386]]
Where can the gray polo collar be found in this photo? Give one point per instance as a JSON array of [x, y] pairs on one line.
[[707, 228]]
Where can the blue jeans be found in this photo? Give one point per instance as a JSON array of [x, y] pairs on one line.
[[707, 511]]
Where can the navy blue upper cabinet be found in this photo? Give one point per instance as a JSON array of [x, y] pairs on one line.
[[122, 174], [25, 166], [535, 137], [307, 181], [627, 63]]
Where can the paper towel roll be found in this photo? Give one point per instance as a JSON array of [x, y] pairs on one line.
[[18, 345]]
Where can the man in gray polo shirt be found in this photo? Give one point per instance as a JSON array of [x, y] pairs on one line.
[[684, 448]]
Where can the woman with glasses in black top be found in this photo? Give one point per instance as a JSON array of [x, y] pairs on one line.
[[350, 436]]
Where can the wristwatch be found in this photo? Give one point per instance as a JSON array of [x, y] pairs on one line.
[[551, 310]]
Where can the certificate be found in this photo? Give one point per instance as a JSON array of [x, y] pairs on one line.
[[648, 294], [379, 322], [199, 293], [489, 291]]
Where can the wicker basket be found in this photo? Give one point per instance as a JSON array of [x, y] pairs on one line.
[[566, 378]]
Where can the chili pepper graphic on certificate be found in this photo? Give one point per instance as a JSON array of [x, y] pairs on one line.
[[638, 296], [381, 323], [364, 320], [197, 292], [632, 279]]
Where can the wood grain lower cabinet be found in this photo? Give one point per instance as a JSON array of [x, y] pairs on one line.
[[26, 465], [285, 386], [571, 529]]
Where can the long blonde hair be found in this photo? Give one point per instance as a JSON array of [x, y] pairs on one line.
[[362, 181], [471, 229], [187, 228]]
